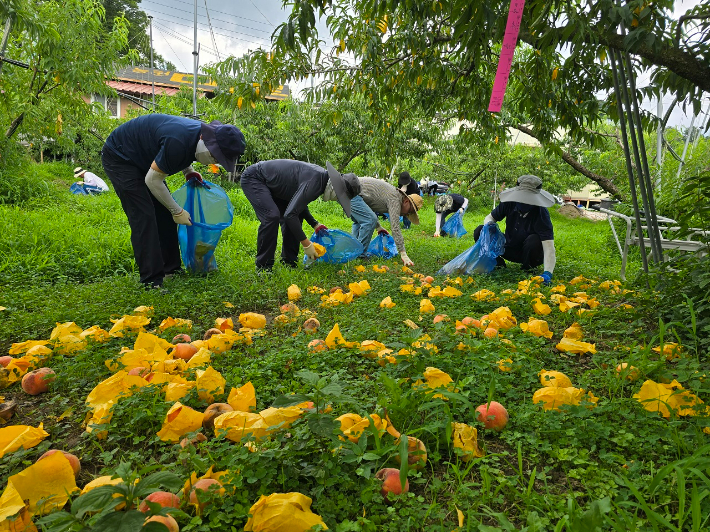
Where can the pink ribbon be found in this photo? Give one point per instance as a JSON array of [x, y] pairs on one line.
[[510, 39]]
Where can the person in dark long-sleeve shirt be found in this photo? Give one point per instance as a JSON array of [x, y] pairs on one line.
[[280, 191]]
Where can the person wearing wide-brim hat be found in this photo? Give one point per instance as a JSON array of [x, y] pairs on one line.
[[529, 236], [137, 157], [448, 204], [280, 191], [90, 181], [379, 197]]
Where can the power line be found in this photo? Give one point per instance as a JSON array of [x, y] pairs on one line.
[[215, 11], [216, 33], [230, 22], [259, 10], [171, 49], [191, 26], [211, 32], [182, 39]]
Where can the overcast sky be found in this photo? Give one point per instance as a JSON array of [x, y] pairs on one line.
[[238, 27]]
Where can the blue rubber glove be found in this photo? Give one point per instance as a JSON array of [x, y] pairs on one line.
[[547, 278]]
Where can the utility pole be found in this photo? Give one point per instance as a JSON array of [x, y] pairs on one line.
[[152, 73], [5, 37], [194, 74]]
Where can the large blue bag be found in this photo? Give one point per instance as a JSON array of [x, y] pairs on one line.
[[383, 245], [481, 257], [84, 189], [211, 213], [454, 226], [339, 247]]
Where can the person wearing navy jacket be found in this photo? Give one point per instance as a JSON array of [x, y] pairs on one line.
[[137, 157], [280, 191], [529, 236]]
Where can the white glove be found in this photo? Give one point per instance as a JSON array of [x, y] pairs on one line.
[[461, 210], [437, 234], [310, 251], [182, 218], [405, 259]]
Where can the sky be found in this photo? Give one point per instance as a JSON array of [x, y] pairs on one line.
[[238, 27]]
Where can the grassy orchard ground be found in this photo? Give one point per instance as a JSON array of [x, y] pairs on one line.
[[70, 260]]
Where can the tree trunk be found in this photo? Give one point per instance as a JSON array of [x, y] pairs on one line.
[[604, 182]]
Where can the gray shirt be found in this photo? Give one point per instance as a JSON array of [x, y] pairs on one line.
[[382, 197]]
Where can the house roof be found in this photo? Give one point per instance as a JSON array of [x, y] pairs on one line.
[[172, 80], [141, 88]]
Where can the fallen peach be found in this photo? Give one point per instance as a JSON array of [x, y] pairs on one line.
[[201, 488], [311, 325], [390, 482], [181, 339], [493, 416], [212, 411], [417, 453], [4, 361], [73, 460], [317, 345], [164, 498], [183, 351], [210, 333], [490, 332], [440, 317], [167, 520], [38, 381]]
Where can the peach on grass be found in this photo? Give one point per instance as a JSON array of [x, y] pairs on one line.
[[211, 413], [181, 339], [167, 520], [391, 482], [315, 346], [201, 488], [490, 332], [417, 455], [4, 361], [38, 381], [210, 333], [440, 317], [311, 325], [73, 460], [140, 371], [164, 498], [493, 416], [184, 351], [199, 438], [468, 321]]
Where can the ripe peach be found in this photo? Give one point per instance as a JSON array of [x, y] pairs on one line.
[[390, 482], [311, 325], [164, 498], [181, 339], [468, 321], [200, 489], [335, 289], [184, 351], [494, 417], [315, 346], [290, 308], [490, 332], [440, 317], [210, 333], [212, 411], [167, 520], [417, 453], [73, 460], [428, 279], [140, 371], [4, 361], [37, 381]]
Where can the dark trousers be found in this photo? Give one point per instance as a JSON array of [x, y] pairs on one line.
[[529, 255], [270, 211], [153, 231]]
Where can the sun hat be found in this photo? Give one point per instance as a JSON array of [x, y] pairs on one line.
[[416, 201], [225, 142], [528, 191], [404, 179], [78, 172], [443, 203], [345, 186]]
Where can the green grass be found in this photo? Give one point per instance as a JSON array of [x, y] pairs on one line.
[[614, 467]]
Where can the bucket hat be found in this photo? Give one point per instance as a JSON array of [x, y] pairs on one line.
[[416, 202], [345, 186], [225, 142], [528, 191], [78, 172], [443, 203]]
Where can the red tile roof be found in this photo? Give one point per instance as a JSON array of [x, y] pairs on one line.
[[141, 88]]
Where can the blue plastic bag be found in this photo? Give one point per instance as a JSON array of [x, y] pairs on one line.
[[481, 257], [383, 245], [211, 213], [339, 247], [454, 226]]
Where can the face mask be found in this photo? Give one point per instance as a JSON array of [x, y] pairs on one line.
[[203, 155], [329, 194]]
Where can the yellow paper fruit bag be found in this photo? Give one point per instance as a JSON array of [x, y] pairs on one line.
[[15, 437], [293, 292], [282, 512], [466, 440], [179, 421], [243, 399], [252, 320], [210, 383]]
